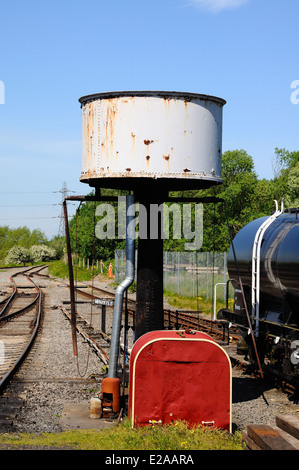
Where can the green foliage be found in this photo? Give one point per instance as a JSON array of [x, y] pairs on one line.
[[18, 255], [292, 198], [234, 164], [246, 198], [200, 304], [285, 160], [58, 244], [42, 253], [60, 269], [21, 236], [82, 229], [176, 436], [23, 240]]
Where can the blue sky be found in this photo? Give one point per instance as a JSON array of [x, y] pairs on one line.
[[53, 52]]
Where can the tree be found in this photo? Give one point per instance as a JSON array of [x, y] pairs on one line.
[[284, 160], [20, 236], [238, 191], [287, 176], [83, 228], [42, 252], [58, 243], [292, 198], [234, 164], [18, 255]]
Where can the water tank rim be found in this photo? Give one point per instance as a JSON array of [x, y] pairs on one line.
[[187, 96]]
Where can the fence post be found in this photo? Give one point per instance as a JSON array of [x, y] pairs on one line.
[[178, 262], [193, 272], [165, 262], [116, 273], [207, 268], [176, 319], [224, 275], [103, 323]]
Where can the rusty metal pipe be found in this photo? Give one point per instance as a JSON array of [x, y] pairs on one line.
[[123, 286], [71, 280]]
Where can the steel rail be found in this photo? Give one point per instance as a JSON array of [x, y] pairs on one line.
[[15, 290], [90, 335], [7, 376], [10, 298]]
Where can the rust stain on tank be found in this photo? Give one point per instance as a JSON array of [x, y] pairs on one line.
[[110, 128], [88, 136], [166, 158], [148, 162], [133, 144], [147, 143]]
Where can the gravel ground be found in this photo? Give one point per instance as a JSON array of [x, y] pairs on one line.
[[52, 377]]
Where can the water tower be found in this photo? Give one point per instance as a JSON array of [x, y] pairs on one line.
[[149, 143]]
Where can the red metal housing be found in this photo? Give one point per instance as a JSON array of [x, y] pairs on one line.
[[179, 375]]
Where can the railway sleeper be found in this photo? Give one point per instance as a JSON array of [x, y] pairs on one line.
[[283, 436]]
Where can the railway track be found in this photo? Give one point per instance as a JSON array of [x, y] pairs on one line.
[[173, 319], [19, 321], [176, 319], [99, 340]]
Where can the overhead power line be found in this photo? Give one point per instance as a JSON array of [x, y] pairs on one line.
[[30, 205]]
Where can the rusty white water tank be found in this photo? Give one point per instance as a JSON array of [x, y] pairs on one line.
[[132, 137]]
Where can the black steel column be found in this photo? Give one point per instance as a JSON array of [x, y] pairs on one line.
[[149, 291]]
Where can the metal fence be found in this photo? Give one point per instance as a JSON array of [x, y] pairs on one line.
[[190, 274]]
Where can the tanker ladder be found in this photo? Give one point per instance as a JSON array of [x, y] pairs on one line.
[[256, 252]]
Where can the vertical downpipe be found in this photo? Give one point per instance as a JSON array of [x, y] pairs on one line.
[[123, 286]]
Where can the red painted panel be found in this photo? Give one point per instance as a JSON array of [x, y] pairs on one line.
[[179, 376]]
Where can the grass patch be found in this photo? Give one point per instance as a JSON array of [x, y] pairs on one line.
[[192, 303], [169, 437], [60, 269]]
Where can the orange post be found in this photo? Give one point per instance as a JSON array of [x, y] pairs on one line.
[[110, 272]]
